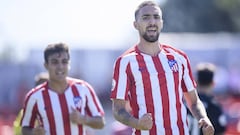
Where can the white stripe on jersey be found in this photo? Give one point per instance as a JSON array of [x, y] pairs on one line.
[[122, 80]]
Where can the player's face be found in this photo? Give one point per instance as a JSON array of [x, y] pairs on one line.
[[58, 66], [149, 23]]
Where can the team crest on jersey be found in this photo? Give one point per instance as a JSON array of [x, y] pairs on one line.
[[77, 102], [173, 65]]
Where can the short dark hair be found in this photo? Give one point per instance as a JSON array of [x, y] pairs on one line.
[[205, 73], [143, 4], [55, 48]]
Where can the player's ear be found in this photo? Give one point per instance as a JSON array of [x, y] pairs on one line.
[[45, 65], [135, 24]]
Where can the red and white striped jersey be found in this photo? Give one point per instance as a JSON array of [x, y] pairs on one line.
[[155, 84], [53, 109]]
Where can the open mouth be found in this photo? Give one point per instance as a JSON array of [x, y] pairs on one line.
[[152, 30], [59, 73]]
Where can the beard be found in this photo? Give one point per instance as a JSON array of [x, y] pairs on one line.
[[150, 38]]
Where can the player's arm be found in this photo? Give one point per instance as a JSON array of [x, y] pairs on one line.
[[33, 131], [27, 131], [96, 122], [122, 115], [197, 109], [195, 105]]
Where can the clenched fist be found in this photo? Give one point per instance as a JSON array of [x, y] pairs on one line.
[[145, 122]]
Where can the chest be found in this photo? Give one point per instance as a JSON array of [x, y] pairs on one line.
[[159, 68], [60, 105]]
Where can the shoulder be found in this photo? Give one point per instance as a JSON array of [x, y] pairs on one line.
[[127, 55], [36, 90], [79, 83], [172, 49], [177, 53], [73, 81]]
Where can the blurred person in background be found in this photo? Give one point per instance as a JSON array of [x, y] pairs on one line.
[[205, 86], [155, 78], [62, 105], [39, 79]]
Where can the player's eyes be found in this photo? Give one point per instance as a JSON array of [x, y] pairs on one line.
[[54, 62], [65, 61], [157, 17], [146, 17]]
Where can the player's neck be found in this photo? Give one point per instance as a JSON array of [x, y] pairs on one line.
[[152, 49], [58, 86]]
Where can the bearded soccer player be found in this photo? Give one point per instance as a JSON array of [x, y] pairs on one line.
[[155, 78], [62, 105]]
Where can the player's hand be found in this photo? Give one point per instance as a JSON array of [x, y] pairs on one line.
[[145, 122], [76, 117], [206, 125], [39, 130]]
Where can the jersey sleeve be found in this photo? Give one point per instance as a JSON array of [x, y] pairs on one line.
[[120, 80], [94, 106], [29, 112], [188, 82]]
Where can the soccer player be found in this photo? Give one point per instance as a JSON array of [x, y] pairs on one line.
[[155, 78], [62, 105]]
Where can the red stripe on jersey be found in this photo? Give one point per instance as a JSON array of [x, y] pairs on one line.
[[178, 105], [164, 95], [116, 77], [147, 90], [93, 95], [88, 110], [34, 115], [76, 94], [40, 119], [49, 111], [183, 85], [133, 96], [129, 83], [65, 113], [190, 73]]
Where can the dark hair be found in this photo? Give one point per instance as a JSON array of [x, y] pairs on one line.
[[143, 4], [55, 48], [205, 73]]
